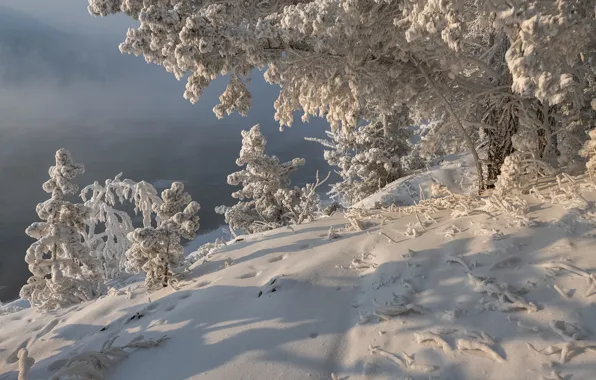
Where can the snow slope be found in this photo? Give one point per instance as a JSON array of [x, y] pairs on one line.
[[295, 305], [456, 172]]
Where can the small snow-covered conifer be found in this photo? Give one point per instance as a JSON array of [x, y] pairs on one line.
[[64, 270], [264, 185], [111, 244], [369, 158], [157, 250]]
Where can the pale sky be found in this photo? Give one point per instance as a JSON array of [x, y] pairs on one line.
[[72, 15]]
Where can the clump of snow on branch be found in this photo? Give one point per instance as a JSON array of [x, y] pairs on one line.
[[158, 250], [64, 270], [111, 244], [266, 201]]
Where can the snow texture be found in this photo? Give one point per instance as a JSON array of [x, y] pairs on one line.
[[296, 305]]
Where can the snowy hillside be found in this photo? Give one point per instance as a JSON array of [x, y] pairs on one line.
[[456, 172], [488, 295]]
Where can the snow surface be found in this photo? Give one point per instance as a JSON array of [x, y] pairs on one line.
[[292, 305], [456, 172]]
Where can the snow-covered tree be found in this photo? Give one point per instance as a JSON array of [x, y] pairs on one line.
[[266, 201], [360, 59], [303, 204], [64, 270], [346, 61], [370, 157], [110, 244], [158, 250]]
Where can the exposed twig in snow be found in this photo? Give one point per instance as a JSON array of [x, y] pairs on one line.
[[406, 363], [388, 355], [564, 349], [332, 234], [592, 288], [388, 311], [93, 365], [25, 364], [409, 255], [432, 338], [564, 293], [389, 239], [507, 262], [445, 331], [590, 277], [568, 267], [506, 300], [568, 331], [419, 221], [451, 231], [453, 259], [481, 336], [411, 231], [465, 345], [356, 224], [360, 264]]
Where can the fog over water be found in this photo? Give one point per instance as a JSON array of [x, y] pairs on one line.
[[64, 84]]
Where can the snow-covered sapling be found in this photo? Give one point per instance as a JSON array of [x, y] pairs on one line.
[[64, 270], [265, 199], [111, 243], [157, 250]]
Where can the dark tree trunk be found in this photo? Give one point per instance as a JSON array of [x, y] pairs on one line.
[[499, 141], [547, 140], [500, 116]]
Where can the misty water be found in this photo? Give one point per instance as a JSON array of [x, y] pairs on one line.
[[115, 114]]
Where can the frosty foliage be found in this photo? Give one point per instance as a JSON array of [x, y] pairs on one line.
[[205, 250], [589, 152], [111, 243], [64, 270], [370, 157], [484, 67], [266, 201], [512, 207], [157, 250]]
